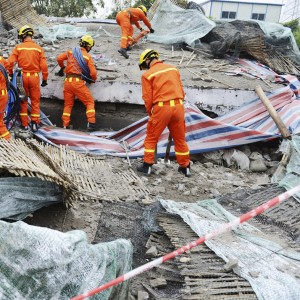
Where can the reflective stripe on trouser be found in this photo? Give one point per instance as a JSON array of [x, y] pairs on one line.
[[79, 89], [4, 133], [127, 29], [173, 118], [33, 91]]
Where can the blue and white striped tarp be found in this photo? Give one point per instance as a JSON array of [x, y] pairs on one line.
[[248, 124]]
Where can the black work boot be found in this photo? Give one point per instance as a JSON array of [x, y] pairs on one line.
[[91, 126], [123, 51], [24, 128], [34, 126], [185, 170], [144, 168]]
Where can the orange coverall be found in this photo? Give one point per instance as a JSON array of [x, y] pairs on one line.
[[163, 96], [75, 86], [4, 133], [127, 17], [31, 58]]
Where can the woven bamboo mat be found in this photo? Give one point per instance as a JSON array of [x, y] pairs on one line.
[[18, 13], [82, 177]]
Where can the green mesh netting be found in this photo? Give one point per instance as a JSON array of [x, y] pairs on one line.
[[40, 263], [289, 177]]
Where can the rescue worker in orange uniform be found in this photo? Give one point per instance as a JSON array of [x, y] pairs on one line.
[[163, 95], [31, 58], [127, 17], [4, 133], [78, 60]]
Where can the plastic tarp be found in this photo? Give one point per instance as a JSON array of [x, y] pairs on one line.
[[41, 263], [61, 31], [173, 24], [20, 196], [275, 266], [276, 34], [291, 175]]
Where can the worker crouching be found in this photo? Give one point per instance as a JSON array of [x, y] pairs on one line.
[[127, 17], [79, 70], [163, 95]]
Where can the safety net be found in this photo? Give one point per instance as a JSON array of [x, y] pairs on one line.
[[173, 24], [61, 31], [41, 263]]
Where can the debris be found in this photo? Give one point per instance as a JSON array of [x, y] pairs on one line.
[[158, 282]]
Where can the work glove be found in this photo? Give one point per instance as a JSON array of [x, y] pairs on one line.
[[44, 83], [141, 29], [61, 72], [10, 77], [151, 30]]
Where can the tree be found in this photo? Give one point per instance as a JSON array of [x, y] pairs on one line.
[[66, 8], [294, 25]]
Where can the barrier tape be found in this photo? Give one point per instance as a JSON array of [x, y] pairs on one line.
[[224, 228]]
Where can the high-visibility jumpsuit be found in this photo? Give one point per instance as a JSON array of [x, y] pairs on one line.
[[163, 96], [127, 17], [31, 58], [75, 86], [4, 133]]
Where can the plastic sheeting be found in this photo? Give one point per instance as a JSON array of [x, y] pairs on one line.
[[20, 196], [271, 269], [173, 24], [61, 31], [278, 35], [41, 263], [291, 176]]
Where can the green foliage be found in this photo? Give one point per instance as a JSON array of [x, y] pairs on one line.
[[66, 8], [297, 37], [294, 25]]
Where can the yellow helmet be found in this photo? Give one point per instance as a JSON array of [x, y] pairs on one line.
[[87, 40], [24, 31], [143, 8], [147, 54]]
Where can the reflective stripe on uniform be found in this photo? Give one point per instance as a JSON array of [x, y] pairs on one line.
[[149, 150], [30, 49], [70, 79], [3, 92], [124, 37], [30, 73], [182, 153], [66, 114], [5, 134], [91, 110], [172, 102], [23, 114], [162, 71], [35, 115]]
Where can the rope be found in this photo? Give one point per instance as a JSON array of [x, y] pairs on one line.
[[77, 54]]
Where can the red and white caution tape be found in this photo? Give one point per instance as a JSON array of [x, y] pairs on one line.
[[224, 228]]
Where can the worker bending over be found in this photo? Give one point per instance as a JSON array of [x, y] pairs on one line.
[[127, 17], [163, 95], [31, 58], [80, 70], [4, 82]]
